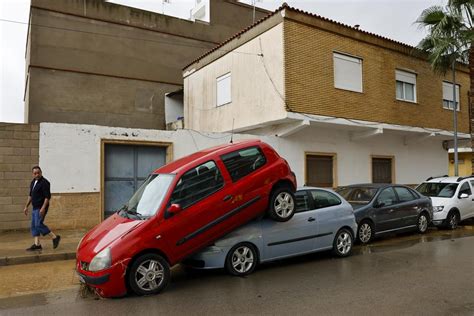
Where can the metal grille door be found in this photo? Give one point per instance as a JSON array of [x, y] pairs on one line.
[[126, 167]]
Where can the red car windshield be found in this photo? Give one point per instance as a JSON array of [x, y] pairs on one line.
[[148, 198]]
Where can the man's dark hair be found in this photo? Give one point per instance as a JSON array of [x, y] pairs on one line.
[[36, 167]]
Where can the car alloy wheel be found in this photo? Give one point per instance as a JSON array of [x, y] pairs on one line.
[[343, 243], [149, 274], [282, 205], [453, 220], [422, 223], [365, 232], [241, 259]]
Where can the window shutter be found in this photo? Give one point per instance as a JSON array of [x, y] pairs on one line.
[[448, 91], [224, 95], [347, 72], [405, 76]]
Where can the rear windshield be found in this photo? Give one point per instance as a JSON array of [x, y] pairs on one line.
[[442, 190], [357, 195]]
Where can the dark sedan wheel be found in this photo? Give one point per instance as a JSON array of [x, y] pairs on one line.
[[365, 232], [422, 223], [241, 259], [282, 204], [342, 246], [149, 274], [452, 220]]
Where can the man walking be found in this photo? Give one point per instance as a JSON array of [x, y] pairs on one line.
[[40, 195]]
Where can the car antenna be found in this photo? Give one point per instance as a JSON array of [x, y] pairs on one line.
[[232, 132]]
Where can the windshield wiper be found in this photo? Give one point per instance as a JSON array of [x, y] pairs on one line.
[[133, 212]]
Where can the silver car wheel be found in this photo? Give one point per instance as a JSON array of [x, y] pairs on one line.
[[453, 221], [365, 232], [242, 259], [149, 275], [422, 223], [344, 243], [284, 205]]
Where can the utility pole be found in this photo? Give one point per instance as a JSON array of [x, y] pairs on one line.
[[253, 4], [455, 122]]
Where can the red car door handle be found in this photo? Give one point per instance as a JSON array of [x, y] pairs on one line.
[[228, 197]]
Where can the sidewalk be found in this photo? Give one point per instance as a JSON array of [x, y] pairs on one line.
[[13, 245]]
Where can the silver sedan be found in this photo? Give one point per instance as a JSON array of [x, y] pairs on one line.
[[323, 221]]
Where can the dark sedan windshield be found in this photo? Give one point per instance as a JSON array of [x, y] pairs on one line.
[[357, 195], [442, 190]]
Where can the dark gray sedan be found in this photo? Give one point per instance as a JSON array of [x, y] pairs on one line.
[[323, 221], [385, 208]]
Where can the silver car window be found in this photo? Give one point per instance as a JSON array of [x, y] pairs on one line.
[[302, 201], [323, 199]]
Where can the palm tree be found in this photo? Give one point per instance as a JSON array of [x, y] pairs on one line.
[[449, 40]]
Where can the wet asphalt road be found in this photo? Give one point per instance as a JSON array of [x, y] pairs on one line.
[[410, 274]]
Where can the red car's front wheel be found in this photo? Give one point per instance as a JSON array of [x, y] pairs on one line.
[[149, 274]]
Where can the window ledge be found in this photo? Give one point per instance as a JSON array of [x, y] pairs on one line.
[[342, 89], [406, 101]]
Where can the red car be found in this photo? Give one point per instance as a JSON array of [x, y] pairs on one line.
[[181, 208]]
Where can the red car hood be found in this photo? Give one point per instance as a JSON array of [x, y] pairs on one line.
[[104, 234]]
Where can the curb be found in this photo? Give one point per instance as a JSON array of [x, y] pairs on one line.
[[8, 261]]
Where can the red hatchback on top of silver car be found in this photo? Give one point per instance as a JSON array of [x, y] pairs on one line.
[[181, 208]]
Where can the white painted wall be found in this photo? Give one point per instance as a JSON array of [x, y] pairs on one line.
[[174, 108], [257, 86], [70, 154]]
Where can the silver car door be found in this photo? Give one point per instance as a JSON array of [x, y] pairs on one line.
[[464, 204], [329, 212], [296, 236]]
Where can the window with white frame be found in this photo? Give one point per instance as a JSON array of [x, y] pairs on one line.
[[347, 72], [448, 101], [405, 85], [224, 94]]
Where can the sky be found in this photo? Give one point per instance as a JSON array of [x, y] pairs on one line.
[[390, 18]]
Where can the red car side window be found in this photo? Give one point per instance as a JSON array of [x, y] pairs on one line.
[[243, 162], [197, 184]]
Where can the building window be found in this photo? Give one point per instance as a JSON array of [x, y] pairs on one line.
[[382, 170], [406, 86], [347, 72], [320, 170], [448, 102], [224, 89]]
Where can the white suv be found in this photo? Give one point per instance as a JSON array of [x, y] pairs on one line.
[[452, 197]]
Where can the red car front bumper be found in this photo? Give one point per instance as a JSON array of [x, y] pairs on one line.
[[107, 283]]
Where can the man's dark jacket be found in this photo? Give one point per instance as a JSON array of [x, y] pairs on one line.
[[40, 192]]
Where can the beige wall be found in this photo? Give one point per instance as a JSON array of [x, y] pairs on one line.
[[257, 86], [18, 154], [465, 164], [309, 76], [74, 210]]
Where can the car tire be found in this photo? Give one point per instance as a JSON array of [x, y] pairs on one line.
[[241, 259], [343, 242], [452, 220], [282, 204], [422, 223], [149, 274], [365, 232]]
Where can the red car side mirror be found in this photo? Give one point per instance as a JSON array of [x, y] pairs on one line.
[[174, 209]]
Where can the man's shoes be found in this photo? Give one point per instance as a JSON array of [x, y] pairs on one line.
[[56, 241], [34, 247]]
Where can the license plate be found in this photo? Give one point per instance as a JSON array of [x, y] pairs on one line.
[[81, 279]]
